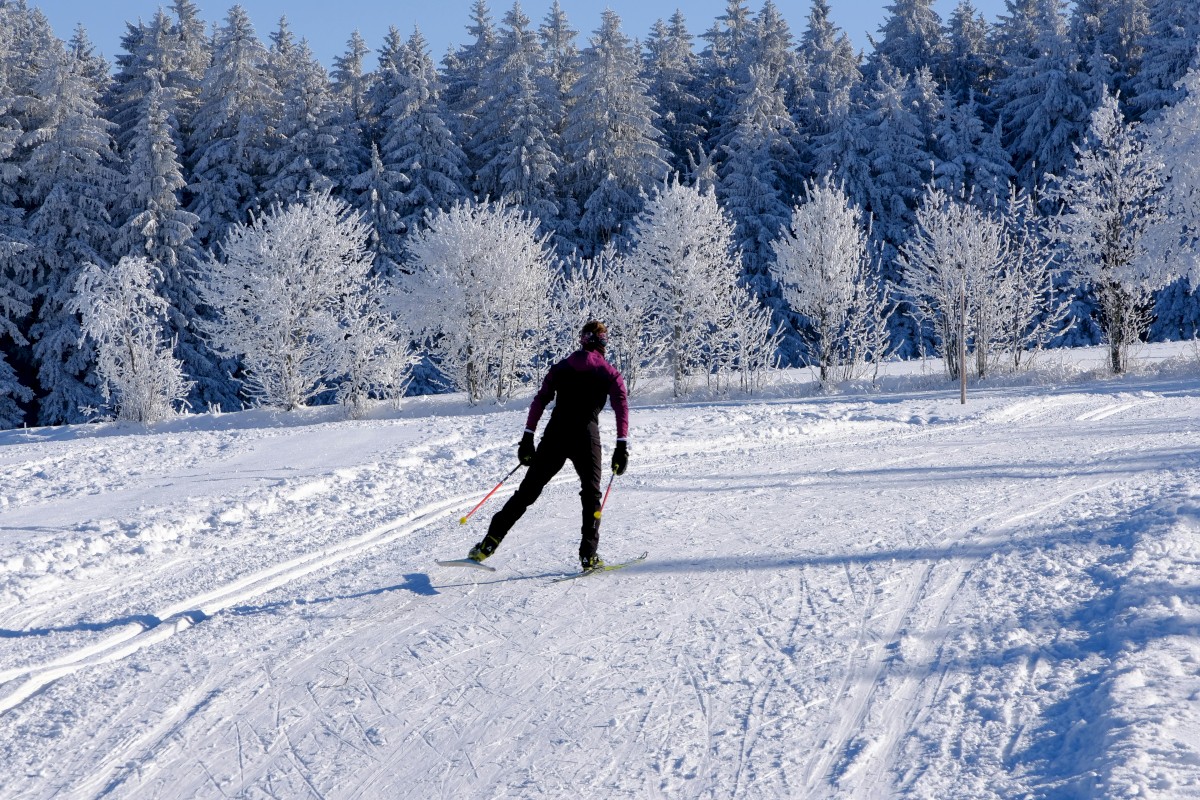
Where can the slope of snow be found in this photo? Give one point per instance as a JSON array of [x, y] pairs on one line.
[[870, 594]]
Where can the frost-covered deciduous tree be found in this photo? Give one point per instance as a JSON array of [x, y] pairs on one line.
[[823, 264], [479, 295], [607, 288], [284, 286], [683, 247], [1174, 139], [1110, 200], [124, 316], [952, 266], [372, 354]]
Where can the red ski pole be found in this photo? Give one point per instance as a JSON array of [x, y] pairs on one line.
[[611, 478], [463, 520]]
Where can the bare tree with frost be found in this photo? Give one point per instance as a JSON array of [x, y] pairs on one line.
[[124, 316], [951, 271], [479, 295], [288, 289], [683, 247], [824, 266]]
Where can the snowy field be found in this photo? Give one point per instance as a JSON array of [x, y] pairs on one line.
[[875, 593]]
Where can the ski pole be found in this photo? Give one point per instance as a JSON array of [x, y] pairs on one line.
[[611, 478], [463, 520]]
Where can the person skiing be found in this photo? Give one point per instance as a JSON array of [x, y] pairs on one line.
[[579, 385]]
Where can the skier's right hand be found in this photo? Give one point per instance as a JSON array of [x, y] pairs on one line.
[[526, 449], [620, 459]]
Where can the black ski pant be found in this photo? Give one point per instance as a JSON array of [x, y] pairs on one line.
[[580, 446]]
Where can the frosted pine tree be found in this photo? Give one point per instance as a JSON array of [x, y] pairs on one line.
[[72, 185], [351, 85], [231, 136], [833, 72], [561, 54], [519, 161], [479, 296], [753, 182], [124, 316], [194, 57], [1111, 199], [387, 81], [611, 139], [377, 195], [419, 144], [671, 71], [1168, 52], [910, 40], [463, 76], [970, 61], [724, 69], [1042, 94], [14, 296], [824, 266], [1117, 31], [970, 158], [306, 157]]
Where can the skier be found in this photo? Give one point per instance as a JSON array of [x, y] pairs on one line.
[[579, 385]]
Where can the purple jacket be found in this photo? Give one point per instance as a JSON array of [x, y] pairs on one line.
[[579, 384]]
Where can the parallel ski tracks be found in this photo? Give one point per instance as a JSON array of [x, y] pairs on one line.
[[19, 683]]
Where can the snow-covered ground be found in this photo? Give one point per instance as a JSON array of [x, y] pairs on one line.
[[866, 594]]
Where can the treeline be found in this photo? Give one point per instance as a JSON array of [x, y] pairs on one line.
[[193, 138]]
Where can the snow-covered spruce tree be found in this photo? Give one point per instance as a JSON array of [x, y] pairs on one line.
[[1041, 94], [1110, 200], [683, 247], [350, 87], [824, 266], [832, 67], [671, 68], [15, 299], [306, 157], [284, 286], [611, 141], [514, 133], [760, 156], [970, 53], [954, 258], [462, 79], [1168, 52], [478, 295], [911, 39], [232, 131], [970, 159], [419, 143], [70, 183], [124, 316]]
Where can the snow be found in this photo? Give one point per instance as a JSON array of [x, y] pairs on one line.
[[863, 594]]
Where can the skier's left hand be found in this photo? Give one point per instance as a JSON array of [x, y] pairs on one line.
[[620, 460]]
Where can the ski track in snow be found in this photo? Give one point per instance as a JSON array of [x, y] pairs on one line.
[[861, 596]]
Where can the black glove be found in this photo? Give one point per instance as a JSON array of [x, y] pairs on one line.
[[620, 459], [526, 450]]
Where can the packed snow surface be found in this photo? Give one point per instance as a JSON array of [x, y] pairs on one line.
[[872, 593]]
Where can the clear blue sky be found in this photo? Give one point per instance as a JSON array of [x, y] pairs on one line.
[[328, 24]]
